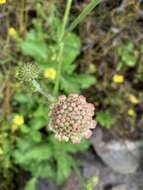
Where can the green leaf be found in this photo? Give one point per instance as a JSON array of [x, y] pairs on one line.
[[70, 52], [21, 98], [38, 123], [34, 47], [31, 184], [36, 153], [131, 60], [64, 164], [46, 170], [105, 119], [36, 136], [75, 83], [84, 80]]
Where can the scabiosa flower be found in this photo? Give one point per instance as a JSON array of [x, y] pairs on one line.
[[71, 118], [28, 72]]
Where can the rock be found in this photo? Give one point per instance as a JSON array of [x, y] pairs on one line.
[[121, 156], [44, 184], [119, 187], [72, 183]]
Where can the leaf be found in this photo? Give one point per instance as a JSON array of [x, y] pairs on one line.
[[131, 60], [35, 47], [38, 123], [68, 86], [70, 52], [105, 119], [34, 153], [84, 80], [31, 184], [84, 13], [64, 164], [46, 170], [76, 82]]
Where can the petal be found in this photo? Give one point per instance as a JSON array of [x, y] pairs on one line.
[[82, 98], [62, 97], [58, 137], [87, 134], [75, 140], [93, 124]]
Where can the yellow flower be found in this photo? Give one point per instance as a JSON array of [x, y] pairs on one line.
[[18, 120], [1, 151], [12, 32], [118, 78], [131, 112], [50, 73], [133, 99], [2, 1]]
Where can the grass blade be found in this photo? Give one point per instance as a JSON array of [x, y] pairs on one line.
[[84, 13]]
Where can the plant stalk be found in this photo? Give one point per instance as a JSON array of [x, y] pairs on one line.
[[61, 46]]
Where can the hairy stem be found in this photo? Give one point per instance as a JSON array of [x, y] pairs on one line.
[[40, 90], [61, 46]]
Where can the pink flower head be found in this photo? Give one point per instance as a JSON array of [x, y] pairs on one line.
[[71, 118]]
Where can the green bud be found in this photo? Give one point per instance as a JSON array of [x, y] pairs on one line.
[[28, 72]]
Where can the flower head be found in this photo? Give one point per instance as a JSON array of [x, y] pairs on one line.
[[133, 99], [18, 120], [118, 78], [28, 72], [50, 73], [131, 112], [71, 118], [2, 1], [12, 32]]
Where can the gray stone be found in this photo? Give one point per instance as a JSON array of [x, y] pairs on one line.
[[120, 187], [121, 156]]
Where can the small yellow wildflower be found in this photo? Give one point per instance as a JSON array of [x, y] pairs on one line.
[[1, 151], [133, 99], [50, 73], [131, 112], [18, 120], [12, 32], [2, 1], [118, 78]]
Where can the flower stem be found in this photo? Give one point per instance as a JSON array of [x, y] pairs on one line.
[[40, 90], [78, 174], [61, 46]]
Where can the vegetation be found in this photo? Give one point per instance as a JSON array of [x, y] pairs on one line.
[[51, 48]]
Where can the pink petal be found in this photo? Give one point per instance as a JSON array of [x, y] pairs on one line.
[[91, 106], [93, 125], [82, 98], [58, 137], [62, 97], [87, 134]]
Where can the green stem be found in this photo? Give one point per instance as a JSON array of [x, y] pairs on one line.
[[78, 174], [84, 13], [61, 46], [40, 90]]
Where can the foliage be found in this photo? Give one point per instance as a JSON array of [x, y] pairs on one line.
[[105, 119], [48, 159], [108, 43]]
